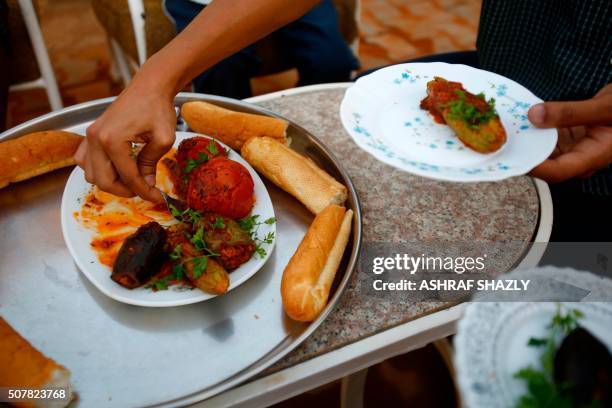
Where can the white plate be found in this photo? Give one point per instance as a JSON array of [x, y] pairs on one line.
[[381, 113], [491, 340], [78, 240]]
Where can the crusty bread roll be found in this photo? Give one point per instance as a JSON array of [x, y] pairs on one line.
[[294, 173], [36, 153], [311, 270], [231, 127], [22, 366]]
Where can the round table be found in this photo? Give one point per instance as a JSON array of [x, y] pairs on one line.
[[397, 207]]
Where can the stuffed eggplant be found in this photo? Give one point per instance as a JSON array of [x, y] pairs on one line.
[[472, 118], [140, 256]]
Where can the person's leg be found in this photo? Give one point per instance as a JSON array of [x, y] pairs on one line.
[[459, 57], [316, 47], [579, 215], [230, 77]]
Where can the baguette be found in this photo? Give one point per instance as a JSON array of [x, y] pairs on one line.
[[22, 366], [310, 272], [294, 173], [231, 127], [36, 153]]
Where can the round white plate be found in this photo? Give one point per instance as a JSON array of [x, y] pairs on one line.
[[381, 113], [78, 240], [491, 340]]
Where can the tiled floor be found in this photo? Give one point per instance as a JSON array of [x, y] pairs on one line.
[[391, 31]]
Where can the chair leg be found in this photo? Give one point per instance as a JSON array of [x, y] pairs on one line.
[[352, 388], [40, 52], [137, 13], [446, 351], [120, 61]]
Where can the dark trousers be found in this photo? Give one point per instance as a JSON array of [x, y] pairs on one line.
[[579, 214], [313, 44]]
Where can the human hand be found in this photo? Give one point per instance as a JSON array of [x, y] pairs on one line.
[[143, 113], [585, 136]]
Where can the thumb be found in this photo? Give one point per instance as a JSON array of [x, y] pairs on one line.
[[596, 111], [158, 145]]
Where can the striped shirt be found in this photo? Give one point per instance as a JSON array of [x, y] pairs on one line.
[[559, 49]]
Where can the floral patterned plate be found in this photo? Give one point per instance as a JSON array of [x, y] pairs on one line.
[[491, 341], [381, 113]]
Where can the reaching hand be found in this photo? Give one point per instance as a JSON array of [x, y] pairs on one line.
[[141, 114], [144, 112], [585, 136]]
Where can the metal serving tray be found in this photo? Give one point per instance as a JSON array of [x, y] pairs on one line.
[[122, 355]]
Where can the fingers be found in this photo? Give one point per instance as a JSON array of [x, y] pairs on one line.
[[158, 145], [595, 111], [606, 90], [100, 170], [127, 170], [81, 154], [561, 168]]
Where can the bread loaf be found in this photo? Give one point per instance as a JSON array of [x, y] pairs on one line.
[[294, 173], [36, 153], [231, 127], [310, 272], [22, 366]]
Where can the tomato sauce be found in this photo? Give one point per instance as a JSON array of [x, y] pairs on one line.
[[113, 219]]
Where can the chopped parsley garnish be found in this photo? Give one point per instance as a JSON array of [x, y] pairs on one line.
[[178, 271], [219, 223], [212, 148], [160, 284], [176, 253], [199, 265], [542, 391], [197, 239], [192, 164], [248, 223], [176, 275], [460, 109], [251, 225], [188, 215]]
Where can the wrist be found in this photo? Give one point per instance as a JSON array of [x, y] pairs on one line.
[[155, 77]]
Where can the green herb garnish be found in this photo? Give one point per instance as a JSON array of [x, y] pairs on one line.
[[541, 388], [163, 282], [188, 215], [199, 265], [197, 239], [460, 109], [177, 253], [219, 223], [192, 164], [212, 148], [178, 271], [251, 225]]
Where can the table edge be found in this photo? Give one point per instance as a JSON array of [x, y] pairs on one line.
[[370, 350]]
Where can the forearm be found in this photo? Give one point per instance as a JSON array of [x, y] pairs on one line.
[[223, 28]]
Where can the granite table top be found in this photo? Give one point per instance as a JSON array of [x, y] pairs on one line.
[[399, 207]]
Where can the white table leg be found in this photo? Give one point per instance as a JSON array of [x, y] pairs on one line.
[[120, 61]]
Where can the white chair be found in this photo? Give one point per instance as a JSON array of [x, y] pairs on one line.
[[124, 62], [47, 79]]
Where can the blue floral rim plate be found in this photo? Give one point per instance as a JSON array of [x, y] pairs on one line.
[[381, 113]]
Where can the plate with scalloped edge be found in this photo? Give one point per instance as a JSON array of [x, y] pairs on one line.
[[78, 240], [382, 115], [491, 341]]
